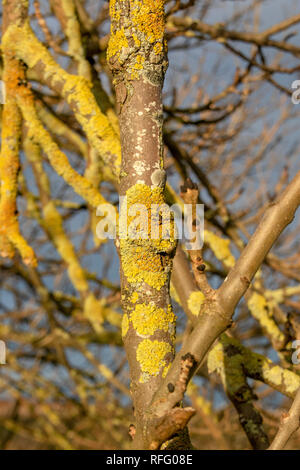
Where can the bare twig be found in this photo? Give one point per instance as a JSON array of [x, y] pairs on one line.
[[290, 422]]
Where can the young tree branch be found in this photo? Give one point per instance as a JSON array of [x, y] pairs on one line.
[[290, 423]]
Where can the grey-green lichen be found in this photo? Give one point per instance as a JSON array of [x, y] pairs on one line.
[[255, 365]]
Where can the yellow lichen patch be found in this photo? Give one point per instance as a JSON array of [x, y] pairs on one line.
[[105, 371], [140, 249], [146, 319], [96, 124], [260, 310], [140, 266], [137, 196], [134, 298], [134, 27], [116, 43], [53, 225], [72, 30], [152, 216], [22, 246], [148, 17], [220, 248], [93, 311], [138, 65], [201, 402], [125, 325], [137, 42], [139, 62], [166, 370], [158, 48], [278, 296], [215, 359], [58, 127], [174, 294], [195, 301], [9, 166], [291, 381], [33, 154], [276, 375], [151, 357]]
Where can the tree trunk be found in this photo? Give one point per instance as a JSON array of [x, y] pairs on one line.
[[137, 57]]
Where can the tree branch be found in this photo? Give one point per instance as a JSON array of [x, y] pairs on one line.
[[290, 422], [217, 310]]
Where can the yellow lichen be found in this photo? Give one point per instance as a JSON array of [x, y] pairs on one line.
[[136, 40], [141, 255], [278, 296], [276, 375], [134, 298], [291, 381], [138, 65], [9, 165], [96, 124], [73, 33], [220, 248], [57, 158], [255, 365], [158, 48], [215, 359], [140, 266], [146, 319], [260, 310], [125, 325], [139, 25], [117, 42], [195, 301], [151, 357], [148, 17], [75, 89], [53, 225], [58, 127], [230, 368], [174, 294], [93, 311], [166, 370], [33, 154], [201, 402]]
